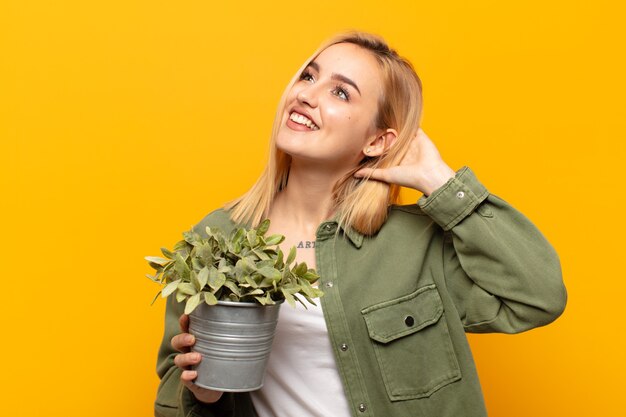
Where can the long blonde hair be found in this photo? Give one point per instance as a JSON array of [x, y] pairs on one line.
[[361, 203]]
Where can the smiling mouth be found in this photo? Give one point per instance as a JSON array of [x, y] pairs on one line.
[[303, 120]]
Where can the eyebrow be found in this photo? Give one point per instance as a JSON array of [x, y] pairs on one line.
[[335, 76]]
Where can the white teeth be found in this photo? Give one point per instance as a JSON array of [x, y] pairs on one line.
[[300, 119]]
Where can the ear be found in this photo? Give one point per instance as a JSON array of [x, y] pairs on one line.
[[382, 142]]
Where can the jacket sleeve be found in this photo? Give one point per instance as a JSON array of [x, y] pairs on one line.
[[501, 272], [173, 398]]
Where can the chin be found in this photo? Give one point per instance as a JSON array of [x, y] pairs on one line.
[[291, 144]]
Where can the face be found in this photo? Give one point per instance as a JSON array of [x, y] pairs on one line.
[[330, 111]]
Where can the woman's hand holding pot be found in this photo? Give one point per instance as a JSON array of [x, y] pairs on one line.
[[422, 168], [182, 342]]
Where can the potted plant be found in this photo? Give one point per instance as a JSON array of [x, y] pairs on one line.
[[233, 287]]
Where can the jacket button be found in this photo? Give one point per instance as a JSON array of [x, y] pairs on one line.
[[329, 227], [460, 194], [362, 407], [343, 347], [409, 321], [329, 284]]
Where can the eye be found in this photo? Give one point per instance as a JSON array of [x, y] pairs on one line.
[[341, 92], [306, 76]]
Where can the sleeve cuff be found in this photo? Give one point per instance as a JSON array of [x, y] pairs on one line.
[[453, 201]]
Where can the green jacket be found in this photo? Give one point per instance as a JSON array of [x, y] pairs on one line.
[[398, 304]]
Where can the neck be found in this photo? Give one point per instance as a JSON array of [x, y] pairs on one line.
[[307, 199]]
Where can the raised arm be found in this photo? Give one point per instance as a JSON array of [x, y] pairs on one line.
[[502, 273]]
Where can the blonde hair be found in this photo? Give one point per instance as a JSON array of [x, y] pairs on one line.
[[362, 204]]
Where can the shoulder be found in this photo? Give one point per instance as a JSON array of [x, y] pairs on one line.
[[405, 219], [406, 210], [217, 219]]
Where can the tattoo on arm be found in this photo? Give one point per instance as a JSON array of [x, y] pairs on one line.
[[306, 244]]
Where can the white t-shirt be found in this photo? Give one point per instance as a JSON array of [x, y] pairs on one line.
[[301, 377]]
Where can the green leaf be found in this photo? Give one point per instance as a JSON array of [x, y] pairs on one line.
[[192, 303], [153, 278], [269, 282], [261, 300], [263, 264], [286, 273], [279, 260], [301, 302], [311, 276], [196, 263], [180, 296], [225, 269], [167, 253], [262, 255], [194, 281], [181, 245], [251, 282], [156, 266], [251, 235], [216, 279], [274, 240], [270, 272], [263, 227], [181, 267], [157, 260], [268, 299], [203, 276], [233, 287], [288, 297], [191, 237], [310, 300], [187, 288], [249, 264], [170, 288], [169, 275], [204, 252], [292, 256], [209, 298], [306, 288], [301, 269], [239, 234], [221, 279], [155, 297]]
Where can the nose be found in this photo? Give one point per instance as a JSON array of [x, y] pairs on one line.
[[308, 95]]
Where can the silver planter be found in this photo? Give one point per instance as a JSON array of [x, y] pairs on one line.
[[234, 340]]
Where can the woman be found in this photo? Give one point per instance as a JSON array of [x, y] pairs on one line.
[[402, 283]]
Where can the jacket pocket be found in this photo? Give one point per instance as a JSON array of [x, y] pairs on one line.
[[412, 344]]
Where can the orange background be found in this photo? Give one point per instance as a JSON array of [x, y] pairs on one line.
[[123, 123]]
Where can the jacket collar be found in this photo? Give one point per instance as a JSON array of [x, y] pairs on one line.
[[354, 235]]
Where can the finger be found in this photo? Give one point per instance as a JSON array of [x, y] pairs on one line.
[[187, 377], [181, 342], [202, 394], [373, 173], [183, 320], [184, 360]]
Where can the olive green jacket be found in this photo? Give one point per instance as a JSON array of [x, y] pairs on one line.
[[397, 304]]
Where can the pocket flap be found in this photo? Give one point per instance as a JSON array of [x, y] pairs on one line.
[[402, 316]]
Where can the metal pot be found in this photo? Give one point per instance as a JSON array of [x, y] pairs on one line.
[[235, 340]]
